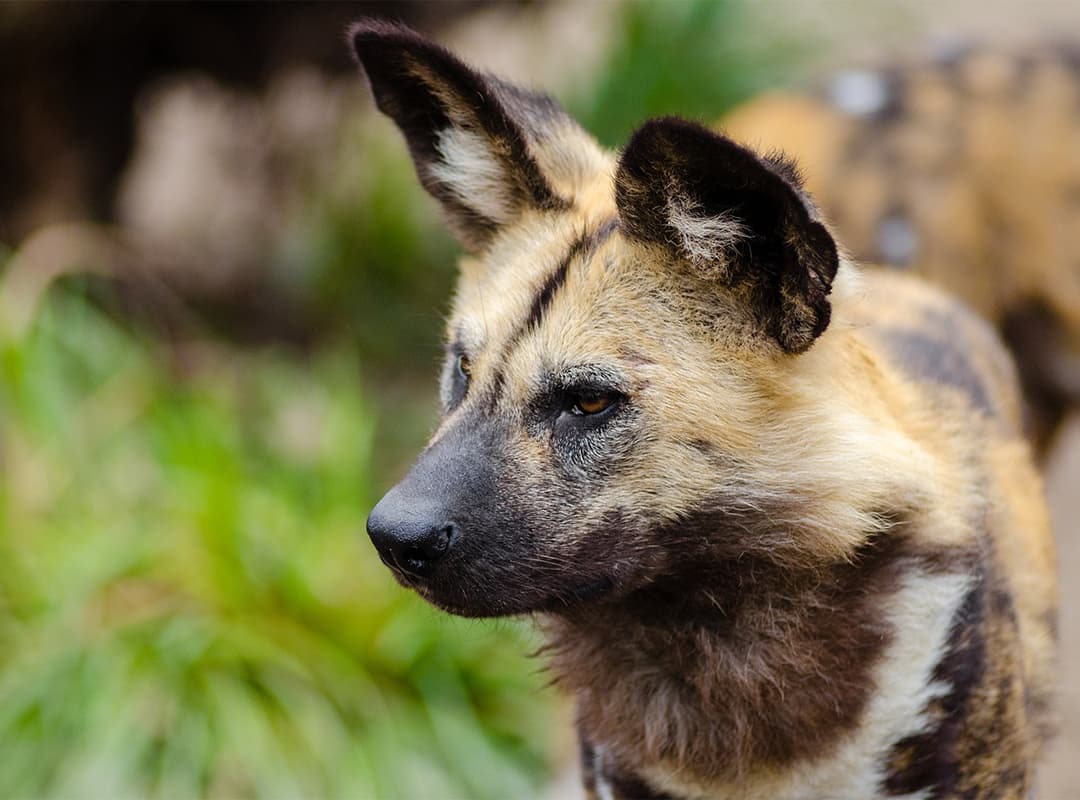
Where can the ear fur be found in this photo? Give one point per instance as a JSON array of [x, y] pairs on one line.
[[733, 216], [471, 135]]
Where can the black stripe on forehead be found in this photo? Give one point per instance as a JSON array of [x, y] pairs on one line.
[[583, 247], [543, 298]]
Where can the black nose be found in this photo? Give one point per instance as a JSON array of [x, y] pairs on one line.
[[408, 535]]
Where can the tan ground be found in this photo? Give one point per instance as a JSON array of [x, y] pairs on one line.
[[1061, 780]]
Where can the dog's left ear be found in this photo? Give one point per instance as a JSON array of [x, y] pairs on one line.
[[486, 149], [734, 216]]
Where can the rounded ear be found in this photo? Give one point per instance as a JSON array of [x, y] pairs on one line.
[[477, 141], [734, 216]]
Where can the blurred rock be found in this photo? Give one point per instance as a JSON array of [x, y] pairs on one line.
[[217, 172], [70, 73], [554, 47]]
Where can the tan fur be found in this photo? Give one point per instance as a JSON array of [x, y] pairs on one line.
[[967, 175], [827, 560]]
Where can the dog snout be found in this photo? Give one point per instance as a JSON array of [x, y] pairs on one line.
[[410, 535]]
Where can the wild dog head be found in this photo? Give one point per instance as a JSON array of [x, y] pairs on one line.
[[628, 354]]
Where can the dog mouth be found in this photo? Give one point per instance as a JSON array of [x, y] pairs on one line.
[[588, 591]]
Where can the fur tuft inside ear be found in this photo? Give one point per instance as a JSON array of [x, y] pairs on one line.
[[706, 240], [733, 216]]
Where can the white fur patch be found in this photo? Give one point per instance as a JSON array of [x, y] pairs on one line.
[[474, 174], [922, 613], [604, 789], [704, 239]]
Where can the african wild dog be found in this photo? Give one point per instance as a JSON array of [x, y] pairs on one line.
[[776, 515], [964, 168]]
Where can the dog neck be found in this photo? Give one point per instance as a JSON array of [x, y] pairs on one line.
[[738, 667]]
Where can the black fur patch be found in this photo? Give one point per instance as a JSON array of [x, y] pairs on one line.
[[939, 360], [1036, 336], [930, 760], [630, 787], [786, 167], [784, 266]]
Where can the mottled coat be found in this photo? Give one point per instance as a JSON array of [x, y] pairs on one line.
[[774, 514], [965, 169]]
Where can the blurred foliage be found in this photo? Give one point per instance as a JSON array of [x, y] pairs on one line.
[[371, 250], [375, 266], [693, 58], [188, 607]]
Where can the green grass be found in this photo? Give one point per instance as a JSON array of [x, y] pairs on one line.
[[188, 605]]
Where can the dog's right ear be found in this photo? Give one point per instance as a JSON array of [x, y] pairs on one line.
[[475, 139]]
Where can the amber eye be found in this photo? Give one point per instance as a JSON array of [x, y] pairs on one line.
[[593, 405], [464, 365]]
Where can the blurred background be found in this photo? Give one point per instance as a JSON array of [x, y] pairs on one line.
[[221, 298]]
